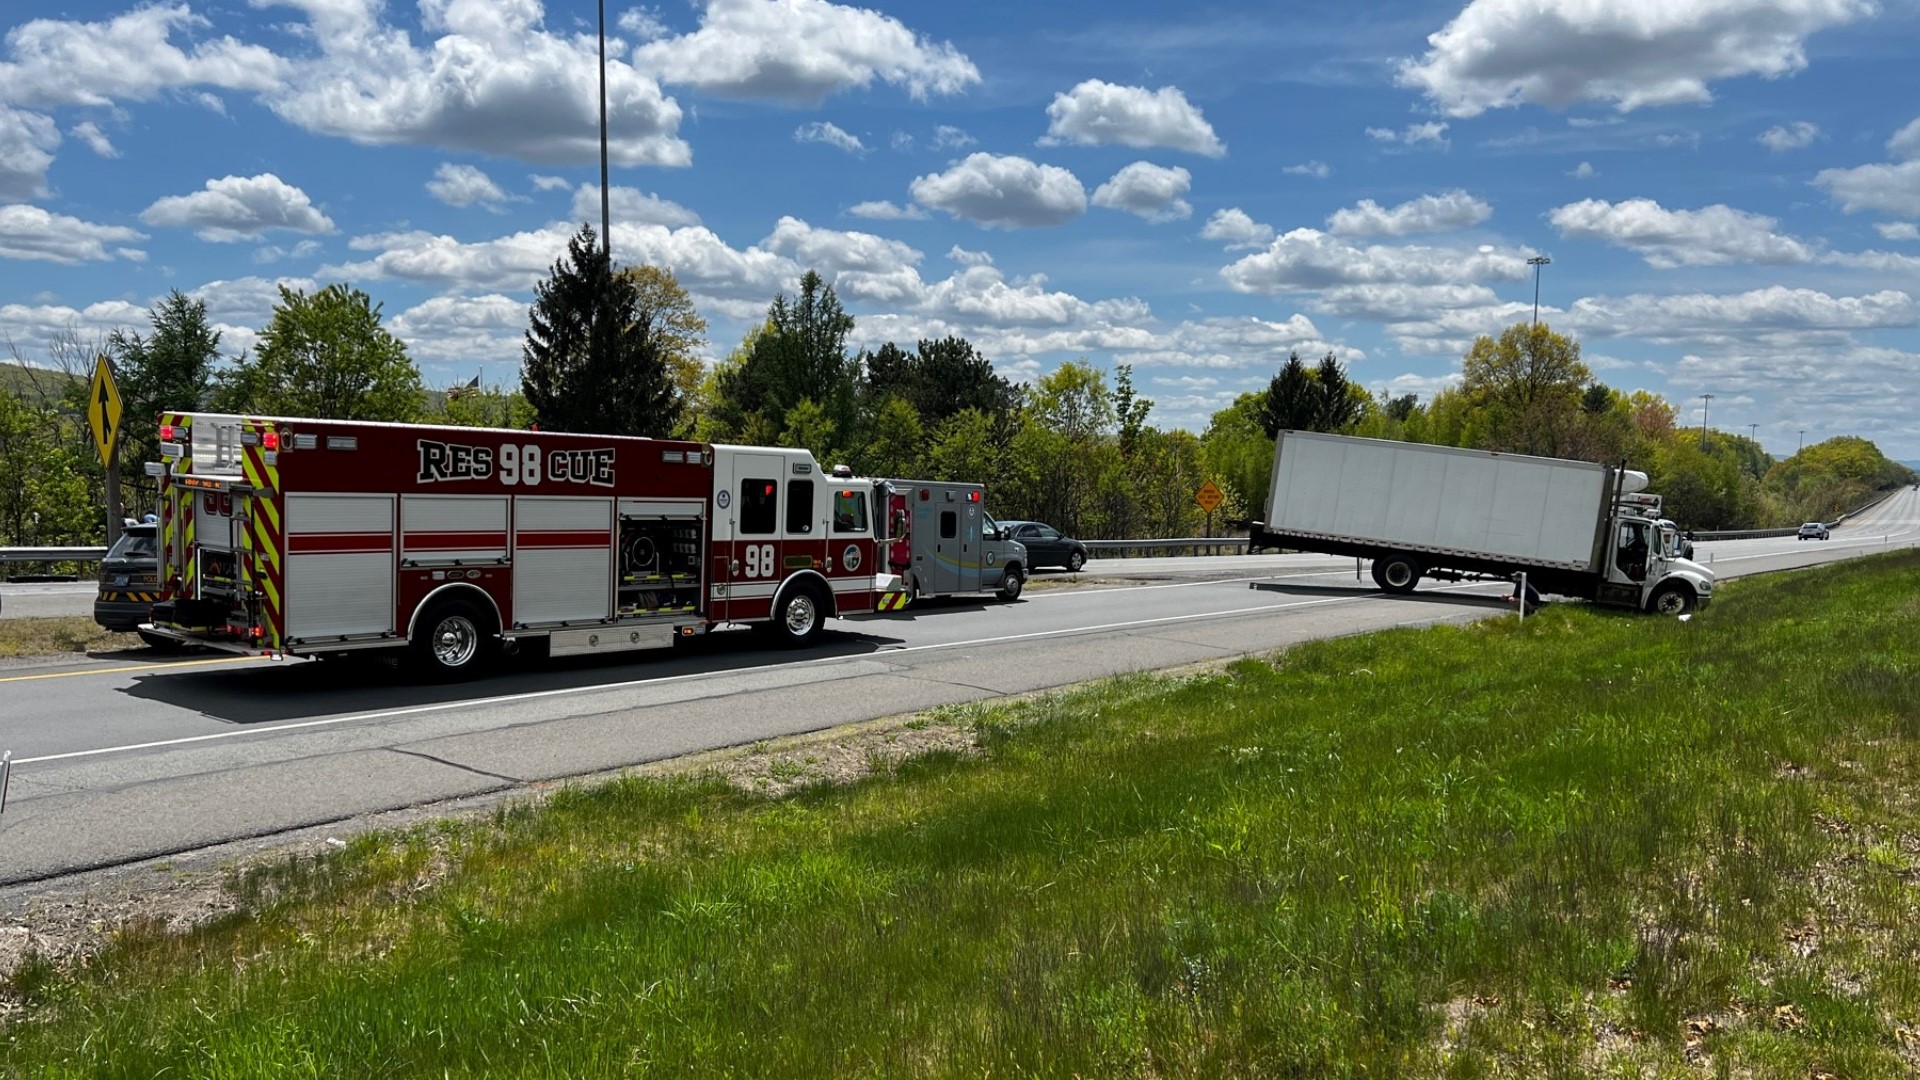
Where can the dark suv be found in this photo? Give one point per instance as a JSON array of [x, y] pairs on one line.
[[129, 580]]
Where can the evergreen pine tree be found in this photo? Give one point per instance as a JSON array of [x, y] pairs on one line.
[[592, 359]]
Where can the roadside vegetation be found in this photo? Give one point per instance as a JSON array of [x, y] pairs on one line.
[[616, 350], [1589, 844], [55, 635]]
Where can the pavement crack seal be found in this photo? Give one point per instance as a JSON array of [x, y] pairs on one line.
[[456, 765]]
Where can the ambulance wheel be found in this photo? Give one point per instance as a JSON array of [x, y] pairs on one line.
[[798, 617], [1399, 574], [1011, 582], [451, 643]]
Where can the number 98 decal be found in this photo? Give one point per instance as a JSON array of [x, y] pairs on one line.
[[760, 562]]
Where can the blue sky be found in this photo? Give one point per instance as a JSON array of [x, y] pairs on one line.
[[1729, 190]]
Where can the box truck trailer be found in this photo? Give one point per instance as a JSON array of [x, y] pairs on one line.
[[1574, 528]]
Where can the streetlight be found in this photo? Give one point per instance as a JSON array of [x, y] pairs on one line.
[[1753, 433], [1537, 262], [606, 227], [1803, 442], [1705, 400]]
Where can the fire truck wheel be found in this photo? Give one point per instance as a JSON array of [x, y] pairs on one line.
[[801, 614], [1012, 582], [451, 642]]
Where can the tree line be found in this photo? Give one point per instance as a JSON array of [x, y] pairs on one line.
[[616, 350]]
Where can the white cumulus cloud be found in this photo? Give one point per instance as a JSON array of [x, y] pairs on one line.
[[492, 79], [1633, 53], [1238, 230], [1899, 230], [1102, 113], [464, 185], [1307, 259], [27, 143], [1795, 136], [1427, 133], [1002, 191], [129, 57], [882, 210], [1429, 213], [1667, 238], [820, 131], [1892, 189], [1905, 144], [1319, 170], [239, 208], [28, 232], [630, 206], [89, 132], [1149, 191], [1712, 317], [948, 137], [801, 51]]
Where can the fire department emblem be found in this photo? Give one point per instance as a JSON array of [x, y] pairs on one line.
[[722, 498], [850, 558]]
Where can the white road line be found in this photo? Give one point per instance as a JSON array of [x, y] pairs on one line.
[[417, 710]]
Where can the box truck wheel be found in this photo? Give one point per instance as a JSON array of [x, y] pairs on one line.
[[1010, 582], [1399, 573], [799, 615], [1378, 570], [451, 641], [1671, 600]]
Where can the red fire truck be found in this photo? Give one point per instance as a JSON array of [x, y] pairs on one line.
[[299, 537]]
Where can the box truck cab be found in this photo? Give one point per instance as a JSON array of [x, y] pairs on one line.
[[941, 541]]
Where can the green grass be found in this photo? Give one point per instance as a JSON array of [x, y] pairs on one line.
[[1595, 844]]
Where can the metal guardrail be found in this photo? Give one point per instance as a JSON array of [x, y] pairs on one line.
[[1233, 545], [52, 554], [46, 557]]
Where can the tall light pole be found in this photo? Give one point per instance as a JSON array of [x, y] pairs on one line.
[[1803, 442], [1537, 262], [606, 224], [1705, 400], [1753, 433]]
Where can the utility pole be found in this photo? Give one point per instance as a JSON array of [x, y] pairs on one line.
[[1705, 400], [1537, 262]]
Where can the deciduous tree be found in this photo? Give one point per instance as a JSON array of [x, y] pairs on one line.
[[326, 355]]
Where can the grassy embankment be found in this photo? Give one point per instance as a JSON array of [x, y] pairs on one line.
[[1597, 844]]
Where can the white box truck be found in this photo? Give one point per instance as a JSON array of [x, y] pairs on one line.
[[1575, 528]]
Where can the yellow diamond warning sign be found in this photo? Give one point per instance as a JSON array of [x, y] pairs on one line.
[[1209, 496], [103, 410]]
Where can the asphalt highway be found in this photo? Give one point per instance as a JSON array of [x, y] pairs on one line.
[[125, 757]]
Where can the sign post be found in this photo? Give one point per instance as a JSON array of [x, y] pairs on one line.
[[1209, 497], [103, 417]]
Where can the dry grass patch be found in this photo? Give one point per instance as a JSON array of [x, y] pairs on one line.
[[58, 635]]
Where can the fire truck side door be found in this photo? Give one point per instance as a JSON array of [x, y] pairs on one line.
[[746, 534]]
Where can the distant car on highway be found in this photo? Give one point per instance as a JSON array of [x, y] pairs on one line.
[[129, 581], [1814, 530], [1045, 545]]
